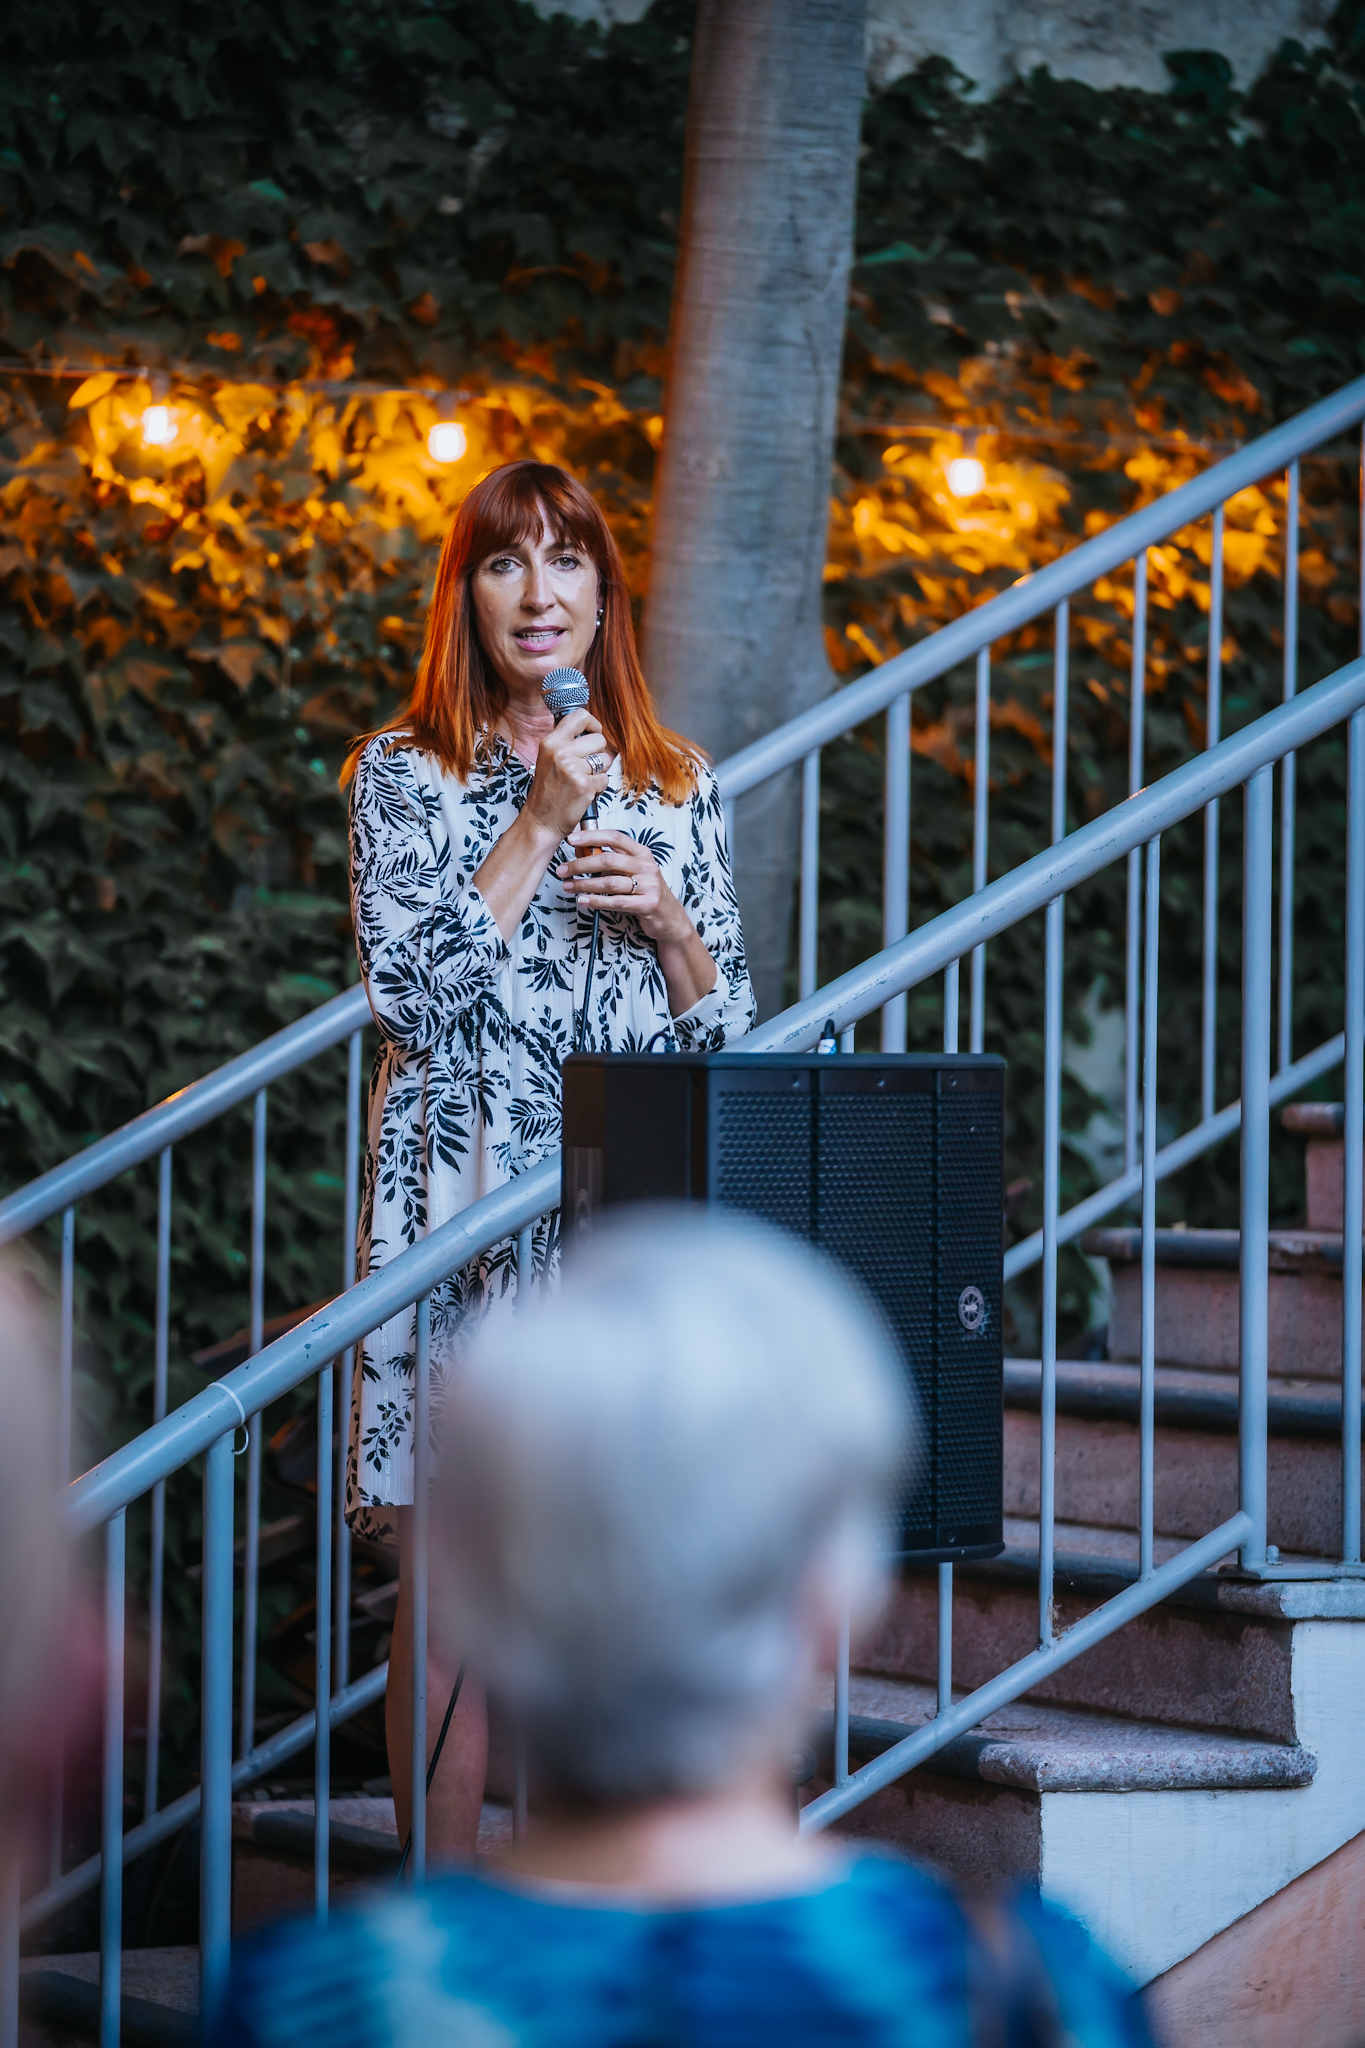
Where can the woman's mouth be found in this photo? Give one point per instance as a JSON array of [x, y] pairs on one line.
[[536, 638]]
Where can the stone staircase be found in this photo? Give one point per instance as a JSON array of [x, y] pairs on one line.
[[1194, 1787]]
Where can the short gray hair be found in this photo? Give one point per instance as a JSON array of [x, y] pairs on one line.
[[643, 1476]]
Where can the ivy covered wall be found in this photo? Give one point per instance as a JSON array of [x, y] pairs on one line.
[[269, 205]]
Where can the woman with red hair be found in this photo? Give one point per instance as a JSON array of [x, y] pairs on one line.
[[474, 885]]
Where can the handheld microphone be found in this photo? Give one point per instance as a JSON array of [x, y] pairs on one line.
[[566, 690]]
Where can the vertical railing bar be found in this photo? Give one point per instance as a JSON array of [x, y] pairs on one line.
[[1255, 1195], [1353, 1131], [1213, 732], [952, 981], [251, 1534], [945, 1638], [322, 1652], [1052, 1107], [848, 1039], [1147, 1392], [156, 1587], [1137, 715], [1288, 771], [526, 1273], [345, 1369], [810, 874], [841, 1661], [1060, 669], [981, 798], [111, 1825], [421, 1458], [66, 1351], [9, 1955], [896, 857], [215, 1762]]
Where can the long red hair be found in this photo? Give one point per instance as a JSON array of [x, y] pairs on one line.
[[459, 696]]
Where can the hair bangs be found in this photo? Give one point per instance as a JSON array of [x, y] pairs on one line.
[[459, 697]]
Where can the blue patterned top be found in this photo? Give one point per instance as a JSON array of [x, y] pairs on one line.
[[881, 1957]]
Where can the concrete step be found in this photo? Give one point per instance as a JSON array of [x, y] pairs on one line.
[[272, 1859], [59, 1998], [1322, 1123], [1217, 1655], [1197, 1306], [1157, 1836], [1196, 1451]]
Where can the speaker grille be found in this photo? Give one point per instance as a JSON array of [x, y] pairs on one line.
[[762, 1161], [969, 1311], [876, 1216]]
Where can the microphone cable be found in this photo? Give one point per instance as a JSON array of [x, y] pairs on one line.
[[431, 1769]]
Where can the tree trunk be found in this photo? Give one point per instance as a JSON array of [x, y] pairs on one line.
[[733, 642]]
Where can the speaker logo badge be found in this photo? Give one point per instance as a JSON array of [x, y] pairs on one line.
[[971, 1310]]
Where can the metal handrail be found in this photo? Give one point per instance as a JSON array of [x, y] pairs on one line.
[[1058, 869], [1032, 595], [332, 1023], [127, 1473]]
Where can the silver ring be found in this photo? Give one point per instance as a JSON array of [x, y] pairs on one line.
[[634, 883], [596, 764]]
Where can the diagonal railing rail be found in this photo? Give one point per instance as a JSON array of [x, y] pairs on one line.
[[1128, 833]]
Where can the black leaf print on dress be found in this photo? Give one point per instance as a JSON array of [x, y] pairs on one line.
[[466, 1088]]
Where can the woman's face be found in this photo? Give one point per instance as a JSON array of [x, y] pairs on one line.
[[535, 606]]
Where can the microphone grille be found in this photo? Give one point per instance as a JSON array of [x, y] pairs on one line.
[[565, 689]]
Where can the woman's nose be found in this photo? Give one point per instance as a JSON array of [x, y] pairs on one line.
[[536, 594]]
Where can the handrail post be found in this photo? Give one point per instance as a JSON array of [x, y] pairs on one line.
[[1288, 779], [809, 916], [111, 1827], [345, 1366], [421, 1489], [156, 1591], [1352, 1219], [1052, 1129], [1255, 1193], [896, 858], [1213, 728], [322, 1651], [215, 1765], [981, 799], [1147, 1367], [1137, 714], [251, 1534]]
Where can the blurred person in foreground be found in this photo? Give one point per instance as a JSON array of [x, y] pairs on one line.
[[48, 1661], [659, 1489]]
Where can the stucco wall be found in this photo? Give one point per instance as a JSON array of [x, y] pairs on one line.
[[1098, 40]]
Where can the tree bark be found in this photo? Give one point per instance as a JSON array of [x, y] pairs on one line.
[[733, 641]]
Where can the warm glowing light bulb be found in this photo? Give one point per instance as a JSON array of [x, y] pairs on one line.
[[447, 441], [966, 476], [158, 428]]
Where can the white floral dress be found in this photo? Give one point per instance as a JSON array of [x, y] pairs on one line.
[[466, 1087]]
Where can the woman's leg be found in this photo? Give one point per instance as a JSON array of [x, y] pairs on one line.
[[456, 1796]]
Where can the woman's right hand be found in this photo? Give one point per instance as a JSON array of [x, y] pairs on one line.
[[563, 788], [571, 769]]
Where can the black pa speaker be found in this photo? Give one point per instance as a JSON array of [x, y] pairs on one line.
[[892, 1163]]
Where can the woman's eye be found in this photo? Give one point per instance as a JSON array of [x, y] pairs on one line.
[[568, 562], [503, 564]]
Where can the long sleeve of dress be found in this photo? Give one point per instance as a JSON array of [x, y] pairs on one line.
[[728, 1010], [427, 942]]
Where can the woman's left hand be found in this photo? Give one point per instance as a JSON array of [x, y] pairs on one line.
[[612, 871]]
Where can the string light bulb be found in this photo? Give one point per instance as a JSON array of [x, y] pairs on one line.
[[447, 442], [158, 427], [966, 476]]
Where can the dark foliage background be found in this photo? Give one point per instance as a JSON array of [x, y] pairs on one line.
[[305, 218]]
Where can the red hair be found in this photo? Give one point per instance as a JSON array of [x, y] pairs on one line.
[[458, 694]]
